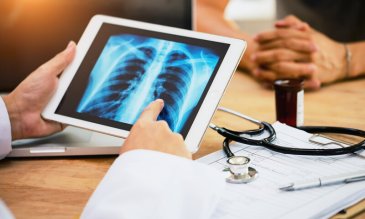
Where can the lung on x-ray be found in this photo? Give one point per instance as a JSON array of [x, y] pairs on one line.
[[134, 70]]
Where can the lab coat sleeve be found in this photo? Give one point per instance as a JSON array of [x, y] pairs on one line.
[[5, 212], [5, 131], [149, 184]]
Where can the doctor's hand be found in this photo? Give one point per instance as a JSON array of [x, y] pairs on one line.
[[149, 134], [27, 101]]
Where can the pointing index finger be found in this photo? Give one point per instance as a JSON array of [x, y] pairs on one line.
[[152, 111]]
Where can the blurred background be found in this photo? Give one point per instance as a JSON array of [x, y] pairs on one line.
[[253, 16], [33, 31]]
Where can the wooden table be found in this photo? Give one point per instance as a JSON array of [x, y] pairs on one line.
[[60, 187]]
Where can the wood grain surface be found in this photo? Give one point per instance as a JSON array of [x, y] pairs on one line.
[[60, 187]]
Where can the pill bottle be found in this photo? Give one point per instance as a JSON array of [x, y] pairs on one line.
[[289, 101]]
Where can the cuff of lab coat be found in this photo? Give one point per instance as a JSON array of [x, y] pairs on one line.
[[150, 184], [5, 131]]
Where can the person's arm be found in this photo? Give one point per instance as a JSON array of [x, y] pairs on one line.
[[357, 64], [295, 50], [5, 131], [350, 67], [154, 177], [210, 19]]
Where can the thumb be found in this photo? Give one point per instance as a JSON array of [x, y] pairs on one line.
[[58, 63], [152, 111]]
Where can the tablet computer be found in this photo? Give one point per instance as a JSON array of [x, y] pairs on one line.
[[122, 65]]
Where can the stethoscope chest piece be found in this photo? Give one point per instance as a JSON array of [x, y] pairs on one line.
[[240, 170]]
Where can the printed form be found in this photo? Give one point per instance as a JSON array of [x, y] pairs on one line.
[[262, 198]]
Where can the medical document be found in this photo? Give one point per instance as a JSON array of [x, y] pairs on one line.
[[262, 198]]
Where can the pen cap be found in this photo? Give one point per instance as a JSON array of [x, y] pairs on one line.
[[289, 101]]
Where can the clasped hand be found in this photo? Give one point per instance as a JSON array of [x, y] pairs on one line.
[[295, 50]]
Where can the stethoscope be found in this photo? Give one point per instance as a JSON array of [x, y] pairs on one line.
[[246, 174]]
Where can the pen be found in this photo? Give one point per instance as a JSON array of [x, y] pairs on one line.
[[325, 181]]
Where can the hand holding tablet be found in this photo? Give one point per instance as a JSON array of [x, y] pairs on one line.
[[122, 65]]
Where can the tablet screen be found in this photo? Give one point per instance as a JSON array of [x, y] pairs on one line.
[[126, 68]]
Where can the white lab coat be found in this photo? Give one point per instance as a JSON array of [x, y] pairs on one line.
[[149, 184], [5, 131]]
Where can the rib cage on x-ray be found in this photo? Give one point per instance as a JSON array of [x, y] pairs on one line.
[[132, 71], [172, 85], [122, 81]]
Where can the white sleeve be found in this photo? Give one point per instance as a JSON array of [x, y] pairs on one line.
[[149, 184], [5, 131], [5, 212]]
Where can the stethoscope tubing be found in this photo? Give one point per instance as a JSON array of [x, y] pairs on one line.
[[297, 151], [237, 136]]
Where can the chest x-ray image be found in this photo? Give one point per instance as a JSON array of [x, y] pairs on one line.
[[134, 70]]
